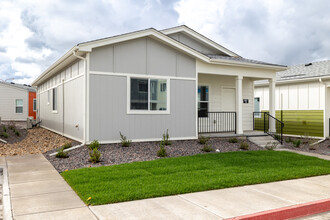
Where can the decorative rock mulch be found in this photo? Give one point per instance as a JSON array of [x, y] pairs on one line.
[[143, 151], [306, 144], [36, 140]]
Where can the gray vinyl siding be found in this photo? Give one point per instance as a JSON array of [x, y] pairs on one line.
[[108, 111], [8, 96], [142, 56], [189, 41]]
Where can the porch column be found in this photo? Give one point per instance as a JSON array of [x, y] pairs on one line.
[[239, 105], [272, 127]]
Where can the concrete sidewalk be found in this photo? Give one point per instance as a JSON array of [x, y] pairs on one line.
[[38, 191], [223, 203]]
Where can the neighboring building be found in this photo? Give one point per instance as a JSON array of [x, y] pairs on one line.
[[17, 102], [145, 82], [303, 93]]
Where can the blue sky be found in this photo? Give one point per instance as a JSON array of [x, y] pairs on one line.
[[35, 33]]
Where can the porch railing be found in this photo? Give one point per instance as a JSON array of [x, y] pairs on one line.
[[261, 122], [217, 122]]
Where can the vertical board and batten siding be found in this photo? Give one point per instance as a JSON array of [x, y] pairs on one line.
[[73, 102], [108, 93], [217, 102], [8, 96], [303, 107]]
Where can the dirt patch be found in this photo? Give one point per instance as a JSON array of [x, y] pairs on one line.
[[143, 151], [34, 141], [12, 133], [306, 145]]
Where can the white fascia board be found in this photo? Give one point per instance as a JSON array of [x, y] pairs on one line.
[[88, 46], [199, 37], [292, 81], [36, 82], [244, 64]]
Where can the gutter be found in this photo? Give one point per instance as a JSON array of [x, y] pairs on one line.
[[243, 64], [296, 80], [85, 93]]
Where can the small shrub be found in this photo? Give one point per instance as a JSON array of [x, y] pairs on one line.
[[61, 153], [162, 151], [4, 129], [4, 134], [296, 143], [94, 145], [244, 146], [17, 133], [67, 145], [124, 141], [166, 138], [203, 140], [94, 156], [271, 145], [288, 140], [277, 137], [207, 148], [233, 140]]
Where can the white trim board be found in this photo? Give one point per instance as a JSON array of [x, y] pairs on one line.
[[140, 75], [61, 133], [62, 83], [146, 140]]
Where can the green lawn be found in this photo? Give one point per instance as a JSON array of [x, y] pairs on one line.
[[170, 176]]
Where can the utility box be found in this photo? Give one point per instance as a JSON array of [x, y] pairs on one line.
[[29, 122]]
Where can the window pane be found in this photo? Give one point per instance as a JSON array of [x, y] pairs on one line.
[[203, 108], [139, 94], [54, 99], [203, 93], [158, 95], [19, 109], [19, 102], [34, 105]]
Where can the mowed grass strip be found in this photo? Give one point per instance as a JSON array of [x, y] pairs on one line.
[[170, 176]]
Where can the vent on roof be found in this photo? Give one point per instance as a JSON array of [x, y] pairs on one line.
[[308, 64], [12, 83]]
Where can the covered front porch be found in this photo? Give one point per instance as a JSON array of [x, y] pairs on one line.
[[226, 104]]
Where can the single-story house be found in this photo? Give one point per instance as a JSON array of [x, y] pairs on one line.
[[303, 95], [17, 101], [145, 82]]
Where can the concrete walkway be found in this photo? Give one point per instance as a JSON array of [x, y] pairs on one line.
[[38, 192], [223, 203]]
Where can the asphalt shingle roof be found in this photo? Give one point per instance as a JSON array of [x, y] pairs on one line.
[[240, 59], [21, 86]]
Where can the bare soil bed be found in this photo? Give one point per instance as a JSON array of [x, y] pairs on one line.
[[10, 131], [306, 144], [143, 151], [32, 141]]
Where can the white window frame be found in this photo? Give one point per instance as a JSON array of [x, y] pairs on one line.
[[148, 112], [208, 105], [54, 89], [34, 109], [19, 106]]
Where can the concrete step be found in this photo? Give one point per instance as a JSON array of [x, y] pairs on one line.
[[263, 141]]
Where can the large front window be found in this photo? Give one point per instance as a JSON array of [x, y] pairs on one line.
[[203, 101], [148, 94]]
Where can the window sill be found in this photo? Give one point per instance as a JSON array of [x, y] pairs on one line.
[[54, 112]]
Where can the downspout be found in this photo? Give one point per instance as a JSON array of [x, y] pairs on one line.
[[85, 93], [63, 107], [325, 108]]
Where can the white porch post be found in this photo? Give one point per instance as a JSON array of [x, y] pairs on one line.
[[239, 105], [272, 84]]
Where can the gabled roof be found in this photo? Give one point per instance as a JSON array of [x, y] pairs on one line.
[[82, 48], [199, 37], [19, 86]]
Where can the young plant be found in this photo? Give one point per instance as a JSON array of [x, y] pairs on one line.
[[4, 134], [244, 146], [67, 145], [17, 133], [277, 137], [271, 145], [162, 151], [94, 145], [61, 153], [203, 140], [124, 141], [166, 138], [207, 148], [296, 143], [288, 140], [4, 129], [94, 156], [233, 140]]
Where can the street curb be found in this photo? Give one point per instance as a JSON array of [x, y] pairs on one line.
[[290, 212]]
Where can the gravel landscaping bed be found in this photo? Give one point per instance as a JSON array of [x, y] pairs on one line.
[[116, 154], [10, 131], [33, 141], [306, 145]]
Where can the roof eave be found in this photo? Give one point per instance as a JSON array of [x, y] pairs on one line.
[[251, 65]]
